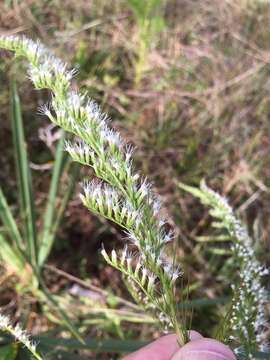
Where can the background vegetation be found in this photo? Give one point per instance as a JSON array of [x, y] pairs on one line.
[[185, 81]]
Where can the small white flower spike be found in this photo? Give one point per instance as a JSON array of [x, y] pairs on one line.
[[248, 319], [20, 335]]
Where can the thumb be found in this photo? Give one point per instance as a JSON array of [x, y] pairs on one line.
[[204, 349]]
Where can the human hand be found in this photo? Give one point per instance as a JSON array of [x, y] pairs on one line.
[[199, 348]]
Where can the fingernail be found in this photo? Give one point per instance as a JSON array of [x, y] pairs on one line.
[[204, 349], [194, 335]]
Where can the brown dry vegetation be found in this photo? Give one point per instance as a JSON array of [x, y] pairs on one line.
[[201, 110]]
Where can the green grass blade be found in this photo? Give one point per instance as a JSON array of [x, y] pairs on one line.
[[99, 345], [261, 355], [9, 222], [12, 257], [48, 233], [23, 175], [192, 190], [74, 174], [49, 299], [63, 355], [204, 302]]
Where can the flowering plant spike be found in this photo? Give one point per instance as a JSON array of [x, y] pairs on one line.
[[247, 327], [121, 195], [19, 335]]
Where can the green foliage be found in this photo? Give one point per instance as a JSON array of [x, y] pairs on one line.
[[150, 23], [25, 186], [23, 249], [8, 352], [53, 346]]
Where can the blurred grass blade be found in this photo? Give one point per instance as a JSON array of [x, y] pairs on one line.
[[49, 299], [23, 175], [48, 233], [65, 355], [73, 175], [217, 238], [9, 222], [192, 190], [205, 302], [8, 352], [108, 345], [12, 257], [261, 355]]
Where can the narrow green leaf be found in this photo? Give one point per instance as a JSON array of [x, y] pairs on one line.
[[192, 190], [217, 238], [49, 299], [9, 222], [204, 302], [64, 355], [23, 175], [73, 176], [100, 345], [48, 233], [219, 251]]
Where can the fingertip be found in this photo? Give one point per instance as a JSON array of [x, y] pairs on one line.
[[194, 335], [204, 349], [161, 349]]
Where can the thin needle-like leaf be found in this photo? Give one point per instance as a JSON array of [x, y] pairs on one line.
[[48, 233], [99, 345], [9, 221], [50, 300], [23, 175], [74, 174]]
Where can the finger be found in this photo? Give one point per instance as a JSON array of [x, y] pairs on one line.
[[161, 349], [204, 349], [194, 335]]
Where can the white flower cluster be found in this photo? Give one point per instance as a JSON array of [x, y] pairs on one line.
[[105, 200], [142, 276], [248, 318], [19, 334], [124, 198]]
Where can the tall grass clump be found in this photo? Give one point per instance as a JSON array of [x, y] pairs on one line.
[[120, 194], [25, 246]]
